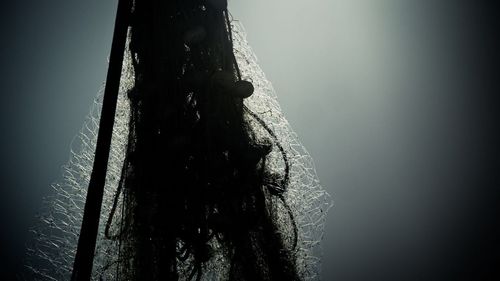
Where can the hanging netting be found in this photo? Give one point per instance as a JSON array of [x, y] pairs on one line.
[[55, 237]]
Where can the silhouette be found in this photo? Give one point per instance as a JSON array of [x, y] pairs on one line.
[[205, 178]]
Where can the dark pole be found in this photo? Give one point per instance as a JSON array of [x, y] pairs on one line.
[[82, 268]]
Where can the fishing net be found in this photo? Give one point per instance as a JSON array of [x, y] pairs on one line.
[[55, 236]]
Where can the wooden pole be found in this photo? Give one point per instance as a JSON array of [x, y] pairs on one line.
[[82, 268]]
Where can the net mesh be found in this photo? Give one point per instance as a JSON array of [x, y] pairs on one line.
[[51, 252]]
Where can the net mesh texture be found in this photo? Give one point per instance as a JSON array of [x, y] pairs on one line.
[[52, 249]]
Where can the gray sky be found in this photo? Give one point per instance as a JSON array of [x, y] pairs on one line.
[[390, 98]]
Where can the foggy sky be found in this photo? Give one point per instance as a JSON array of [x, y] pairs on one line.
[[393, 99]]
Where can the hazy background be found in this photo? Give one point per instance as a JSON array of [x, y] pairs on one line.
[[395, 100]]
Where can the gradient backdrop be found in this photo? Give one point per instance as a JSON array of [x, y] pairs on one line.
[[394, 100]]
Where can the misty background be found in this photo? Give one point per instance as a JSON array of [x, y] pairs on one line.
[[395, 100]]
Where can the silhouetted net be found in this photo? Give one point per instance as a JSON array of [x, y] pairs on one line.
[[51, 253]]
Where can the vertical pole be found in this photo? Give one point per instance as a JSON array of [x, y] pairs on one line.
[[82, 268]]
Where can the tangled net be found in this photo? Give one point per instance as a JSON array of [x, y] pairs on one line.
[[51, 253]]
